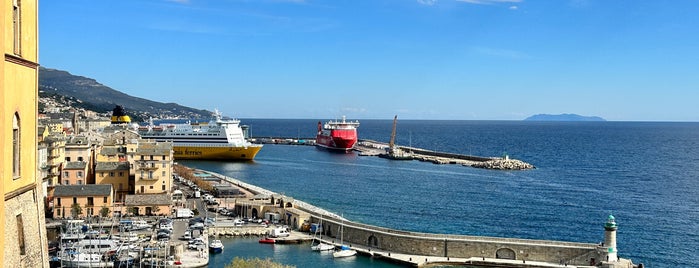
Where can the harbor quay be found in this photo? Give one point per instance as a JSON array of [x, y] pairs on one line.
[[375, 148], [423, 249]]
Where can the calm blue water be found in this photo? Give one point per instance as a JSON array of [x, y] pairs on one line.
[[646, 174]]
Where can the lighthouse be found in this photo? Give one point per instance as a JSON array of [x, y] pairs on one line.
[[610, 239]]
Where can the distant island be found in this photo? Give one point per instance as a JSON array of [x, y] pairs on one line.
[[563, 117]]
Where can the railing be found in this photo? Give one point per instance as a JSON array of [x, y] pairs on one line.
[[146, 167], [146, 178]]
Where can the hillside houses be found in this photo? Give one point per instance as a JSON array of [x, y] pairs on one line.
[[106, 171]]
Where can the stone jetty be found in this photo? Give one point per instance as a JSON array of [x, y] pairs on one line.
[[375, 148], [425, 249]]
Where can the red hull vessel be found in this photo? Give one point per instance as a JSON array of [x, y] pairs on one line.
[[337, 135]]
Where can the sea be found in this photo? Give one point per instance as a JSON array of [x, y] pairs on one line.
[[646, 174]]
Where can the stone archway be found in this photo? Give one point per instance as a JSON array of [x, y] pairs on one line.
[[254, 213], [373, 241], [505, 253]]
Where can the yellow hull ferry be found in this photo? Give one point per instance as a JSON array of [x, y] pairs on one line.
[[218, 139]]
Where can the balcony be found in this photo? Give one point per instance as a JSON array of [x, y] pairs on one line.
[[146, 178], [146, 166]]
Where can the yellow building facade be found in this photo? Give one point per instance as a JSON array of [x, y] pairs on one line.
[[153, 167], [24, 239]]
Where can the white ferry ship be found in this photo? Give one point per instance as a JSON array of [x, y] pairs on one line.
[[218, 139]]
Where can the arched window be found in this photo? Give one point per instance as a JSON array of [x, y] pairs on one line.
[[15, 146]]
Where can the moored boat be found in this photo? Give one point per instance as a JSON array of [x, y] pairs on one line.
[[267, 240], [343, 251], [79, 259], [337, 135], [321, 246], [215, 246]]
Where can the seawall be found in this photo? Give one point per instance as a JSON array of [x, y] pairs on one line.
[[424, 248]]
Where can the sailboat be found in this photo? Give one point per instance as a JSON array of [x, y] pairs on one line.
[[344, 251], [321, 246]]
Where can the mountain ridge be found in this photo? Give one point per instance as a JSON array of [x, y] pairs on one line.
[[87, 93]]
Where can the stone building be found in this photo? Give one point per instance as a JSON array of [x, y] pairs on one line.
[[74, 173], [153, 167], [23, 229], [148, 205], [116, 174], [90, 200]]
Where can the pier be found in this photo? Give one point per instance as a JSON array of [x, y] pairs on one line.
[[381, 149]]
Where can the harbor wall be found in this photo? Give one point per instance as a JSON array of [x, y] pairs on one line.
[[459, 246], [439, 245]]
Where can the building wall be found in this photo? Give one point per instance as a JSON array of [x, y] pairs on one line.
[[74, 176], [64, 204], [116, 178], [56, 154], [76, 152], [31, 211], [162, 210], [153, 174], [18, 94]]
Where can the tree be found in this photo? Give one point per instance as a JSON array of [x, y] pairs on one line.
[[154, 210], [131, 210], [256, 262], [76, 210], [104, 211]]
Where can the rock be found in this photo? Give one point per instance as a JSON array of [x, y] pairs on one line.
[[504, 164]]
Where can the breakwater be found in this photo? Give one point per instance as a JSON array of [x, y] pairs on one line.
[[375, 148], [417, 249], [370, 147]]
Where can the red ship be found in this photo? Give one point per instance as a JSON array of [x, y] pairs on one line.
[[337, 135]]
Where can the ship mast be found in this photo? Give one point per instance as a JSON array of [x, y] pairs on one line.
[[392, 143]]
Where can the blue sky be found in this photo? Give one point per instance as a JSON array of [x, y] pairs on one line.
[[622, 60]]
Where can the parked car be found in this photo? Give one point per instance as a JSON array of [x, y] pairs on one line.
[[160, 236], [197, 226]]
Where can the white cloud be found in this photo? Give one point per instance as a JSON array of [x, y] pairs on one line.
[[488, 2], [427, 2], [514, 7]]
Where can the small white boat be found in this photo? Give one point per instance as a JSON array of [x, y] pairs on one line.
[[139, 225], [215, 246], [79, 260], [344, 251], [321, 246], [96, 246]]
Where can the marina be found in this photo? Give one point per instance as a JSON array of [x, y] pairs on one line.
[[310, 157], [406, 248]]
